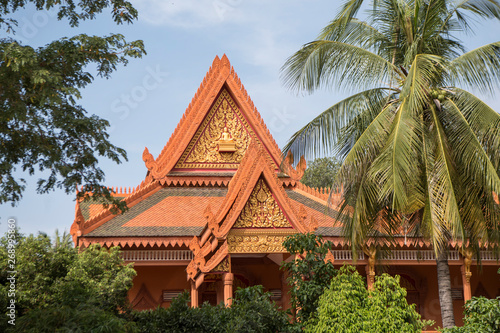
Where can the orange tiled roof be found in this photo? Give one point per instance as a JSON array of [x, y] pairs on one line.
[[176, 211]]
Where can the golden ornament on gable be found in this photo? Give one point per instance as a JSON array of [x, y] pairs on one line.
[[256, 243], [223, 266], [222, 138], [261, 210]]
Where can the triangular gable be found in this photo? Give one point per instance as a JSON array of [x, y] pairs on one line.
[[221, 83], [254, 185], [253, 167], [262, 210], [221, 140]]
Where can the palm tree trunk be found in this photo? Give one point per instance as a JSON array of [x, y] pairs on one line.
[[444, 286]]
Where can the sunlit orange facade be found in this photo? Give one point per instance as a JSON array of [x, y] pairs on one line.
[[217, 203]]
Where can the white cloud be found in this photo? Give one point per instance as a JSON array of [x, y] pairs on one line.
[[189, 13]]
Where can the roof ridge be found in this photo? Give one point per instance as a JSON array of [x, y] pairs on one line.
[[117, 191], [319, 192], [253, 108], [203, 90]]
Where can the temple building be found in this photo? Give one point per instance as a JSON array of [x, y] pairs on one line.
[[218, 201]]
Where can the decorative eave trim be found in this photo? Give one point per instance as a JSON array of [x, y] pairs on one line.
[[135, 241], [195, 181]]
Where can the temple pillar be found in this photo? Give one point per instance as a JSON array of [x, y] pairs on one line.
[[228, 288], [194, 295], [466, 274]]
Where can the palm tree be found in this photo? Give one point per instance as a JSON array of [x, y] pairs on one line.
[[417, 147], [62, 241]]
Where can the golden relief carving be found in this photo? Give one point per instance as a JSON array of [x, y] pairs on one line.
[[223, 266], [221, 140], [261, 210], [256, 243]]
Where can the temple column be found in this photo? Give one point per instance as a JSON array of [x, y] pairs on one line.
[[194, 295], [466, 274], [285, 289], [228, 288]]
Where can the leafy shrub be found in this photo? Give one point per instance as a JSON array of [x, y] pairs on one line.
[[347, 306], [180, 317], [80, 319], [480, 315], [252, 311]]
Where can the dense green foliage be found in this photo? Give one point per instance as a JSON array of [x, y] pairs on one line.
[[66, 287], [480, 315], [180, 317], [41, 125], [308, 273], [321, 172], [252, 311], [348, 307]]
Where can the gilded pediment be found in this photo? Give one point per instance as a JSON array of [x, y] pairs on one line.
[[221, 140], [261, 210]]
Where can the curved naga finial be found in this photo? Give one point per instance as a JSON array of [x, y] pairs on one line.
[[297, 172], [150, 163]]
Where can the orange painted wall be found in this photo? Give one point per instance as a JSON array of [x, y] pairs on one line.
[[157, 279], [489, 279]]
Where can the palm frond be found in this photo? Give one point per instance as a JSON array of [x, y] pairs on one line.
[[445, 208], [320, 63], [397, 168], [425, 72], [348, 11], [322, 133], [468, 151], [477, 68], [366, 148], [483, 121], [483, 8], [356, 33]]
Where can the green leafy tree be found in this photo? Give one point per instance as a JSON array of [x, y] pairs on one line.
[[308, 273], [42, 127], [321, 172], [63, 285], [99, 277], [254, 311], [480, 315], [417, 147], [347, 306]]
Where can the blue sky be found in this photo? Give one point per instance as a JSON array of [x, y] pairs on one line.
[[145, 100]]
